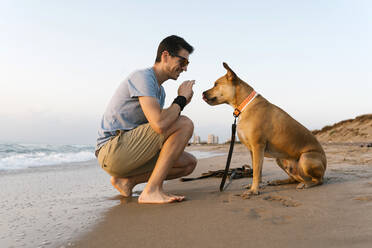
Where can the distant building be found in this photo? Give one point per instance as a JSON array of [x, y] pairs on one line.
[[212, 139], [196, 139], [215, 140]]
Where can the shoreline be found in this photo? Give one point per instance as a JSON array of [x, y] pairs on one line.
[[77, 206], [48, 168], [205, 153]]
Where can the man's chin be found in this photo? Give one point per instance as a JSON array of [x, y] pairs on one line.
[[175, 77]]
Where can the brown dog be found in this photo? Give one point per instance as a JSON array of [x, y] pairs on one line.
[[269, 131]]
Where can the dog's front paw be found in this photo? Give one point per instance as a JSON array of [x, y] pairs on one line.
[[247, 194], [248, 186]]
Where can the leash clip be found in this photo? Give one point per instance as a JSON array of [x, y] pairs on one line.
[[236, 113]]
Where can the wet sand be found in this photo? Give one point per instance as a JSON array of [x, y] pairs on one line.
[[49, 206], [76, 206]]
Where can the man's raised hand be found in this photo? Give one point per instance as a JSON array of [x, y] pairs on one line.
[[185, 90]]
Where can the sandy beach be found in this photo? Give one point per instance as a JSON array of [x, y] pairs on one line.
[[75, 206]]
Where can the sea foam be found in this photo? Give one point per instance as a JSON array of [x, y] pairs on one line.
[[22, 156]]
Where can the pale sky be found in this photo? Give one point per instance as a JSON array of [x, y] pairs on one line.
[[61, 61]]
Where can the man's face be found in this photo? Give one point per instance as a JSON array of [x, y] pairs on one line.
[[177, 63]]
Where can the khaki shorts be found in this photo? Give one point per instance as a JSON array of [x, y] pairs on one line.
[[131, 152]]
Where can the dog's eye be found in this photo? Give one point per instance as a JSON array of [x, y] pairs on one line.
[[215, 84]]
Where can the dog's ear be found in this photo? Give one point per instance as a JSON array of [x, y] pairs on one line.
[[231, 76]]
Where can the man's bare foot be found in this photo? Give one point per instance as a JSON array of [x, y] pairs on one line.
[[123, 185], [158, 197]]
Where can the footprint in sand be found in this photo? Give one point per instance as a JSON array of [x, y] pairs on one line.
[[364, 176], [281, 220], [366, 198], [255, 213], [287, 202], [226, 198], [369, 184]]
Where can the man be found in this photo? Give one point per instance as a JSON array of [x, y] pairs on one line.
[[139, 141]]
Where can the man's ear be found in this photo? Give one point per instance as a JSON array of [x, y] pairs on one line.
[[231, 76], [165, 56]]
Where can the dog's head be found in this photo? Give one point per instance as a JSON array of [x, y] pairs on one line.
[[223, 90]]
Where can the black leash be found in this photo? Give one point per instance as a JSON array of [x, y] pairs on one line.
[[233, 130]]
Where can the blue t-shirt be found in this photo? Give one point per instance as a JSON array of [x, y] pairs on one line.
[[124, 111]]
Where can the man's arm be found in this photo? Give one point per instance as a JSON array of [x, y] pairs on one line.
[[159, 119]]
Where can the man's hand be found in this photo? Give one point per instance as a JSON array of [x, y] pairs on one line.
[[185, 90]]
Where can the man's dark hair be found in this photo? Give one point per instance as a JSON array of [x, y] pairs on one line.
[[173, 44]]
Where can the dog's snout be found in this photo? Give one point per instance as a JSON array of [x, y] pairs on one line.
[[204, 96]]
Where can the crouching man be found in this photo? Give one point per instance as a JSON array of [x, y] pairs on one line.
[[139, 140]]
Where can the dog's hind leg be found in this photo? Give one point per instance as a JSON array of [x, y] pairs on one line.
[[284, 164], [278, 182], [312, 167]]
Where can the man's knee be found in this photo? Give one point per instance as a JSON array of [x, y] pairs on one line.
[[183, 124], [186, 123]]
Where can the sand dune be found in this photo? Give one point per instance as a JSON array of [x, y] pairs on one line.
[[357, 130]]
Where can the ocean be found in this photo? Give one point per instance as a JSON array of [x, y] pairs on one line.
[[15, 156]]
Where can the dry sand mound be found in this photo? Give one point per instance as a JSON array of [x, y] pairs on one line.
[[358, 130]]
